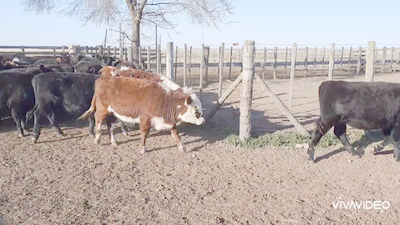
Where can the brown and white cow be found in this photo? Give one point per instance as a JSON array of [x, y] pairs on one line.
[[143, 101]]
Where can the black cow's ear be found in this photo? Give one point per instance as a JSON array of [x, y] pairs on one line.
[[189, 100]]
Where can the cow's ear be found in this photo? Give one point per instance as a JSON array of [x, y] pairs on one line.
[[189, 100]]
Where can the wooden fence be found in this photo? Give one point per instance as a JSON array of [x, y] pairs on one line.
[[216, 65]]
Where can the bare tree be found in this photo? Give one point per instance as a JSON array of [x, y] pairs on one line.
[[137, 12]]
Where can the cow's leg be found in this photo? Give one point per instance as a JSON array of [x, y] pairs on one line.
[[340, 132], [396, 140], [91, 125], [175, 134], [144, 131], [386, 140], [319, 131], [110, 128], [99, 117], [52, 118], [16, 115], [124, 129], [36, 127]]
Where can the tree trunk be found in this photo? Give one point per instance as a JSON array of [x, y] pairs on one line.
[[135, 41]]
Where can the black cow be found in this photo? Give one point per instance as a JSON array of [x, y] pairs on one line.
[[61, 96], [362, 105], [88, 65], [16, 94]]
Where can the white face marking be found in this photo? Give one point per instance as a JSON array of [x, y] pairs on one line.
[[179, 106], [158, 124], [124, 118], [194, 108], [124, 68]]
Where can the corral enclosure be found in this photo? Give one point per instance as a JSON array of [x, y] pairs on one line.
[[69, 180]]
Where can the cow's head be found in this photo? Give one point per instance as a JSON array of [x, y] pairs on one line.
[[193, 111]]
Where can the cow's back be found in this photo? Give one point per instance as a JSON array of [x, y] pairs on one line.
[[66, 93], [363, 105]]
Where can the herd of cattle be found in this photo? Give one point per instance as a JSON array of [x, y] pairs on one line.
[[107, 90], [65, 87]]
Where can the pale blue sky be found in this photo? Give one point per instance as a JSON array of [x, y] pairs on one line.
[[268, 23]]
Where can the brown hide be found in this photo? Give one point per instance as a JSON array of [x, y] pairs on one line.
[[134, 97]]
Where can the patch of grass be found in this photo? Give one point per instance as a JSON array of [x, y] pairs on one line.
[[282, 139]]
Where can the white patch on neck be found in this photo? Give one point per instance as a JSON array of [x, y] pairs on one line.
[[113, 73], [124, 118], [168, 85], [159, 124]]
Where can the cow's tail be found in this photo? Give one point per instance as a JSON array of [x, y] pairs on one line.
[[29, 114], [91, 110]]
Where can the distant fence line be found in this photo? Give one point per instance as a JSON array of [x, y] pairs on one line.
[[271, 63]]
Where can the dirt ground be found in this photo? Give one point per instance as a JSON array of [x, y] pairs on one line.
[[70, 180]]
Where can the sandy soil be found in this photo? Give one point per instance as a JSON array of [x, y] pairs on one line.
[[69, 180]]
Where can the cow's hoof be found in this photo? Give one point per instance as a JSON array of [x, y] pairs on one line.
[[377, 149], [34, 140], [21, 135], [182, 148], [144, 150], [114, 143], [96, 142], [62, 134], [126, 134], [311, 160]]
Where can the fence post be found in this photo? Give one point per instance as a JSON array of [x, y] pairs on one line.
[[148, 58], [323, 61], [190, 64], [341, 61], [348, 69], [201, 69], [264, 62], [331, 62], [176, 63], [292, 69], [115, 52], [184, 64], [159, 70], [286, 54], [315, 60], [391, 59], [170, 61], [109, 51], [369, 67], [221, 66], [101, 50], [359, 61], [247, 91], [275, 62], [306, 62], [383, 62], [230, 63]]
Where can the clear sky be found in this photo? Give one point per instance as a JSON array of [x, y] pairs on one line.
[[268, 23]]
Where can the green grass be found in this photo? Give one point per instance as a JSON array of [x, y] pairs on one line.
[[281, 139]]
